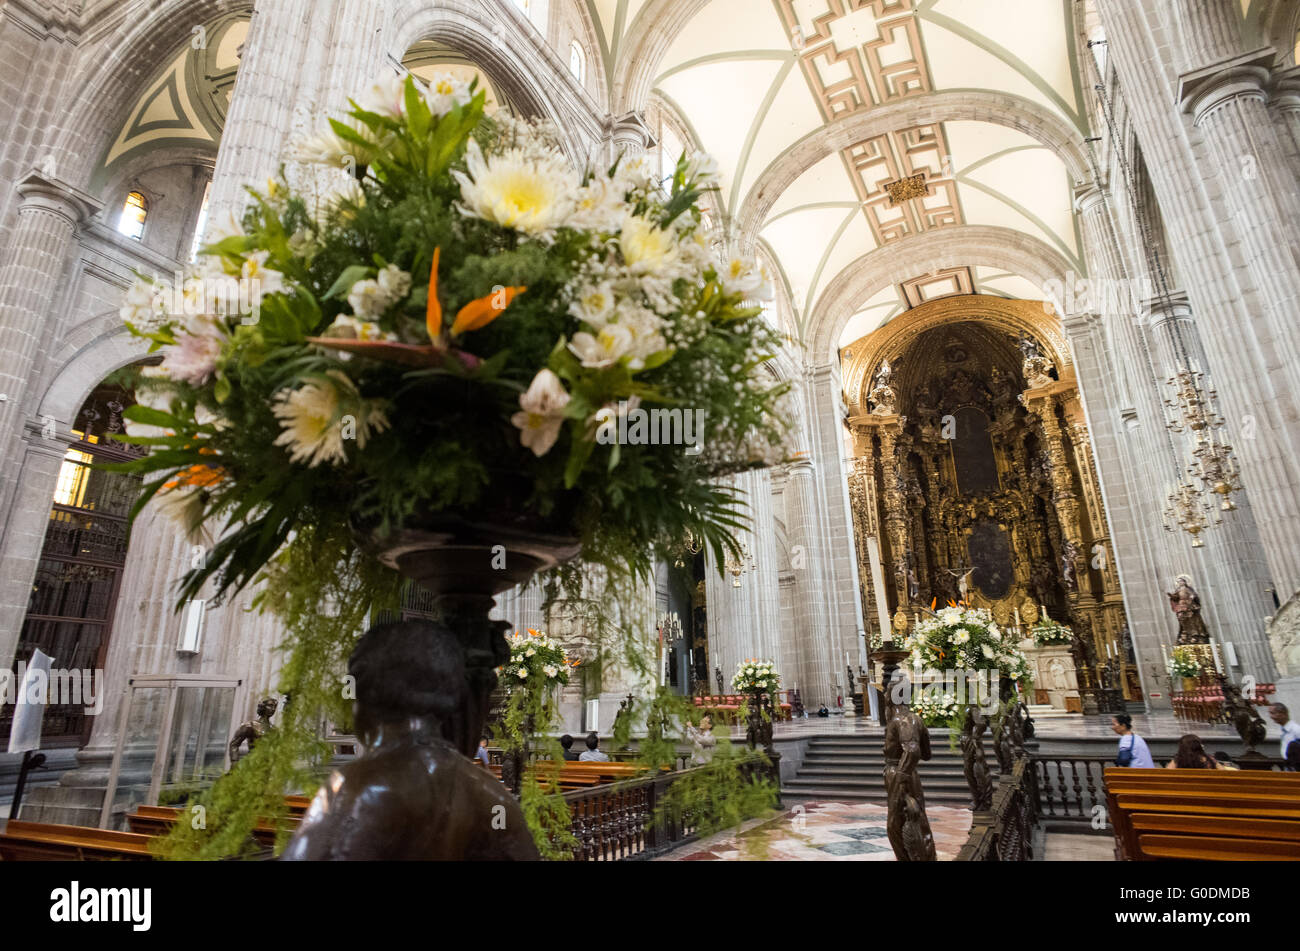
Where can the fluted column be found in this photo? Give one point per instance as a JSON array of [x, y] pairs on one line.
[[1284, 104], [31, 274], [1258, 385], [1229, 571], [302, 61], [811, 636]]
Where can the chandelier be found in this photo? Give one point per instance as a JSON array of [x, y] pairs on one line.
[[1187, 511], [736, 564], [1213, 465]]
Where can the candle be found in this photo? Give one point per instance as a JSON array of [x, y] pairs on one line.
[[1164, 654], [1017, 619], [1214, 649]]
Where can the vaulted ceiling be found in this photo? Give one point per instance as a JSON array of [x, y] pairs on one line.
[[759, 83]]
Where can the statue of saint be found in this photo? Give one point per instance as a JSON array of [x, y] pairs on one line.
[[1029, 348], [250, 731], [913, 586], [1186, 605], [1069, 559], [974, 761], [907, 743], [414, 794], [884, 398]]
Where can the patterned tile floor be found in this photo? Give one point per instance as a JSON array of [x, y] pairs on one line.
[[824, 831]]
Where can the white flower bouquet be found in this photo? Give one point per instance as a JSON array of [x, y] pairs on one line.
[[470, 324], [962, 638], [536, 661], [756, 676]]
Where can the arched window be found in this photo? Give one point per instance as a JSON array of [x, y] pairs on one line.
[[578, 61], [134, 212]]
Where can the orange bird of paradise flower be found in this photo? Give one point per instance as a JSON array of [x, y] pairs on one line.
[[473, 316]]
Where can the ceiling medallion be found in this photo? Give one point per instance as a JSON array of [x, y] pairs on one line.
[[905, 189]]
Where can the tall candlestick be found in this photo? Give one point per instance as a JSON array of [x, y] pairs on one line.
[[1017, 610]]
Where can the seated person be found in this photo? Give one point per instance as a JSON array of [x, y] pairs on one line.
[[570, 755], [1191, 755], [593, 754]]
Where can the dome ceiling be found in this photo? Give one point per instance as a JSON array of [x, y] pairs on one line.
[[752, 79]]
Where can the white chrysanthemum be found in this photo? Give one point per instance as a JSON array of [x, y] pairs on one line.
[[320, 416], [522, 674], [549, 671], [368, 299], [594, 304], [647, 248], [446, 92], [534, 197], [600, 207], [194, 358], [541, 413]]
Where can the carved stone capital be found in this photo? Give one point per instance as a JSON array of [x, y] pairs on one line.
[[1202, 91], [51, 194]]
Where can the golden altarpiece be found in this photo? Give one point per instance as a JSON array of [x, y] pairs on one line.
[[973, 471]]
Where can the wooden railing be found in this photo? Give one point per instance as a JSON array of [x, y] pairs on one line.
[[632, 819], [1071, 787], [1005, 832]]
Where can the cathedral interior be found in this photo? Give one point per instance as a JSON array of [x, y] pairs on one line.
[[1035, 273]]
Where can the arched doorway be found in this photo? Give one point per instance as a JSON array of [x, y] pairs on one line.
[[74, 593]]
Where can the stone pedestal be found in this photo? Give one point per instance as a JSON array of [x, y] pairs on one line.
[[1053, 671]]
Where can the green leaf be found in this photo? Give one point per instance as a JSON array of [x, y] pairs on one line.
[[350, 276]]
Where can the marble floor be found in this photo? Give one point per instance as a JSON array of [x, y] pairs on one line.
[[1064, 847], [824, 831]]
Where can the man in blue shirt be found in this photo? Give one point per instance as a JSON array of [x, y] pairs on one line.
[[1279, 714], [1132, 748]]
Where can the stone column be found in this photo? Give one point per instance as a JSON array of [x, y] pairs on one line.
[[810, 637], [42, 454], [1235, 576], [629, 136], [1257, 382], [1284, 105]]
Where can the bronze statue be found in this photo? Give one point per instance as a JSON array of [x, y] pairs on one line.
[[1186, 605], [907, 743], [973, 759], [1002, 743], [250, 731], [414, 793], [1245, 719]]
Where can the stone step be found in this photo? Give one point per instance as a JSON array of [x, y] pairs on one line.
[[809, 793]]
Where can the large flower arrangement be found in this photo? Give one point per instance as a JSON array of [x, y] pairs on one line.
[[756, 676], [1047, 631], [962, 638], [535, 661], [467, 326], [1183, 662]]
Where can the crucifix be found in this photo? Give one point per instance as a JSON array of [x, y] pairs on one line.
[[963, 579]]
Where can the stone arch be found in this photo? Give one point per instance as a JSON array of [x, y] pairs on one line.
[[115, 74], [1010, 317], [95, 349], [967, 245], [655, 29], [1005, 109], [526, 68]]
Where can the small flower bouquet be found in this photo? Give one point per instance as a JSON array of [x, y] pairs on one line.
[[469, 327], [535, 661], [1184, 663], [1047, 631], [961, 638], [757, 676], [934, 708]]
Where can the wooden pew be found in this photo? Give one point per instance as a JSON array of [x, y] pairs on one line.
[[1212, 815], [43, 842], [159, 820]]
